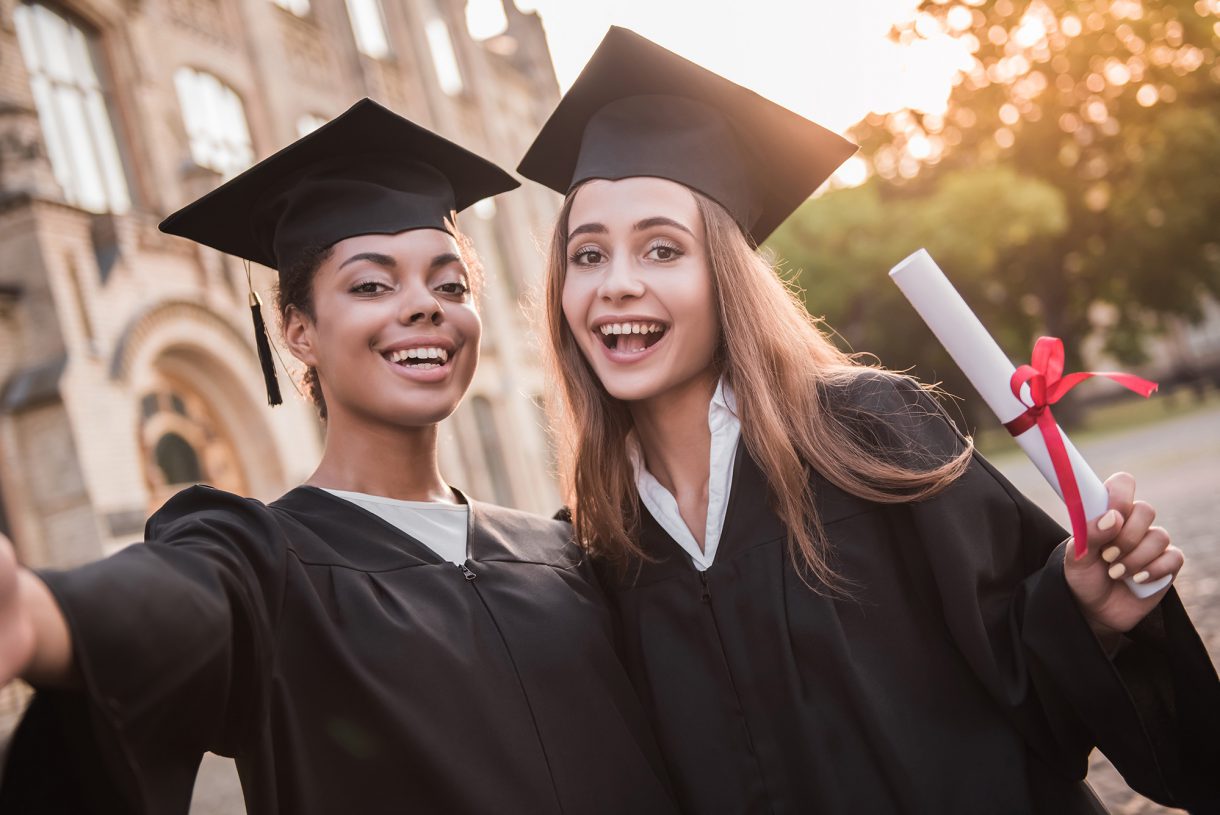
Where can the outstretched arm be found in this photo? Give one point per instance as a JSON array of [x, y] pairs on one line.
[[34, 640]]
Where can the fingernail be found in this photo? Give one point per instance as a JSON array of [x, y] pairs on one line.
[[1117, 571], [1108, 520], [1110, 555], [1140, 577]]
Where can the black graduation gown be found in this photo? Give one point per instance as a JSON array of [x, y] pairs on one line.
[[346, 667], [959, 677]]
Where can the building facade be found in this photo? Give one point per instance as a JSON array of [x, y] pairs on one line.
[[127, 361]]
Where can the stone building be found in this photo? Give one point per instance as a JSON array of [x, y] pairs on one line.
[[127, 361]]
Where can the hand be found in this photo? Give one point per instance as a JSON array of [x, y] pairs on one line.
[[16, 627], [1122, 542]]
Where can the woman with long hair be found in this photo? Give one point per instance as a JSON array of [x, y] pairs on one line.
[[373, 641], [827, 600]]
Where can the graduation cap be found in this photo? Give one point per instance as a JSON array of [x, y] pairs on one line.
[[639, 110], [368, 171]]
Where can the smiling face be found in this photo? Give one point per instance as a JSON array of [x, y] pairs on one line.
[[637, 293], [394, 333]]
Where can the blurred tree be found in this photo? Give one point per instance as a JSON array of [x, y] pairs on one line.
[[1075, 166], [976, 220]]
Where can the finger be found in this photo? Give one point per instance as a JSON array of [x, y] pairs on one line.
[[1132, 531], [1121, 488], [1150, 547], [1102, 533], [1170, 562]]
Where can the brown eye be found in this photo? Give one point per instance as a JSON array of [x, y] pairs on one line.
[[587, 257], [664, 252]]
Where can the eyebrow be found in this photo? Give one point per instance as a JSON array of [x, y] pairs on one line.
[[372, 257], [390, 263], [588, 229], [647, 223], [444, 260]]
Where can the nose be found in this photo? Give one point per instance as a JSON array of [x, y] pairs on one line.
[[620, 281], [419, 305]]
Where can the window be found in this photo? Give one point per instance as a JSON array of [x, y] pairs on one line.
[[298, 7], [72, 108], [485, 18], [448, 74], [309, 123], [177, 460], [368, 24], [485, 208], [182, 443], [215, 122]]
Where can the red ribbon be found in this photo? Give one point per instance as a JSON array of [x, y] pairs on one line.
[[1047, 385]]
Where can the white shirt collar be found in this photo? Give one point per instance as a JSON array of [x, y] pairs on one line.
[[725, 428]]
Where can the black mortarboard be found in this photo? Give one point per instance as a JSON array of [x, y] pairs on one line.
[[639, 110], [368, 171]]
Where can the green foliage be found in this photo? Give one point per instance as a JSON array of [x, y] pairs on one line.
[[1076, 165], [838, 248]]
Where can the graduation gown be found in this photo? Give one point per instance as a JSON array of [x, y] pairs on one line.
[[344, 665], [959, 676]]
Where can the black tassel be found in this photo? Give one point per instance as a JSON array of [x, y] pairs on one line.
[[264, 352]]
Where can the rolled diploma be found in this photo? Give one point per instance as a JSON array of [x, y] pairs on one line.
[[990, 372]]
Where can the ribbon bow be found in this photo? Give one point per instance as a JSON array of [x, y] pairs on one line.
[[1047, 385]]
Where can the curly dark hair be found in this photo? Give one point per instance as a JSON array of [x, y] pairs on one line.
[[295, 290]]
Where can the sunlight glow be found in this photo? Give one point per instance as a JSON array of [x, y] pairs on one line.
[[831, 62]]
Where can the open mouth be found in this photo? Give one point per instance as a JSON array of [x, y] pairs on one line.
[[420, 359], [633, 337]]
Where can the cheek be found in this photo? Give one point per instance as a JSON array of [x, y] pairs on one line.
[[575, 303], [698, 304], [468, 323], [473, 327]]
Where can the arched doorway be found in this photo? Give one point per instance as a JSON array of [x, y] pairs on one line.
[[183, 443], [198, 377]]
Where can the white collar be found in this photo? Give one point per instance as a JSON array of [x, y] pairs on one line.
[[725, 428]]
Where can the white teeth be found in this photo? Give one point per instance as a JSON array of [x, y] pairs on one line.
[[631, 328], [419, 353]]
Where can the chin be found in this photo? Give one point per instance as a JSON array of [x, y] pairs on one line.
[[633, 388], [423, 412]]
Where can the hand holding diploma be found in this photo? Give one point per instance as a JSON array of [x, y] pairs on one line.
[[1122, 543], [1115, 546]]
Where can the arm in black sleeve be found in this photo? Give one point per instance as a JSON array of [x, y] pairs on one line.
[[998, 561], [172, 640]]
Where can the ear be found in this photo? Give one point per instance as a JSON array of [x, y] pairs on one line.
[[299, 336]]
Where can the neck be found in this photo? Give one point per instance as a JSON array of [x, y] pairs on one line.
[[674, 436], [393, 462]]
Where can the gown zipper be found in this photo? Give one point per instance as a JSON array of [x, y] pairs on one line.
[[470, 576], [706, 597]]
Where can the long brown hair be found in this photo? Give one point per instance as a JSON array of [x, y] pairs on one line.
[[781, 369]]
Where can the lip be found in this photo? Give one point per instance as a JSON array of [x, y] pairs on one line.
[[423, 376]]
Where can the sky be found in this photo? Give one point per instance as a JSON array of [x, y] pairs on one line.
[[829, 60]]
